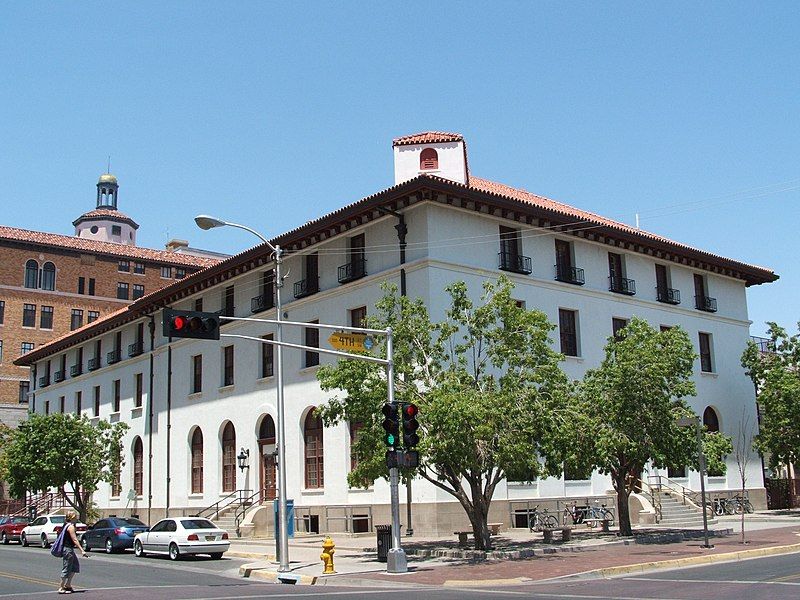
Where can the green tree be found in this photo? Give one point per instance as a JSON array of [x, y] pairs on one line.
[[60, 450], [776, 375], [488, 385], [629, 408]]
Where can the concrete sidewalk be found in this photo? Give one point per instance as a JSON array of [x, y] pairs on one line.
[[588, 554]]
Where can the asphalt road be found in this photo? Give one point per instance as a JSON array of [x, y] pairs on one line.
[[31, 573]]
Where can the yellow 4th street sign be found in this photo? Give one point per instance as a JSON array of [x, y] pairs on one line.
[[351, 341]]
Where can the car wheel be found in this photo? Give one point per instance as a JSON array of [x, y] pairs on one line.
[[5, 538], [109, 546], [138, 550], [44, 542], [216, 555], [85, 543], [23, 540], [174, 553]]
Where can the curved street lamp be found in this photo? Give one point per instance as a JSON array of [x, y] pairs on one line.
[[207, 222]]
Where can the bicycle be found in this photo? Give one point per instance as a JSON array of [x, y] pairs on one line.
[[541, 520], [595, 514]]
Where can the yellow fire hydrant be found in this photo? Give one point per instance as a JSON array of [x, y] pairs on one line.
[[328, 548]]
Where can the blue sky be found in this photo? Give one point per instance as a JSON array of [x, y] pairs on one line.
[[272, 114]]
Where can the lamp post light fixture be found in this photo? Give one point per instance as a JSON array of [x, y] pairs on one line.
[[701, 459], [282, 541], [244, 459]]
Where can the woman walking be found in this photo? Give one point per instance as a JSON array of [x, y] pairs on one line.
[[70, 564]]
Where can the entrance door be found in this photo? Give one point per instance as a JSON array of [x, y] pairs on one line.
[[267, 470]]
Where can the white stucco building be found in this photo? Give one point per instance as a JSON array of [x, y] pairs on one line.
[[436, 225]]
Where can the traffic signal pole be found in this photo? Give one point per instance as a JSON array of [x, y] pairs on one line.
[[396, 557]]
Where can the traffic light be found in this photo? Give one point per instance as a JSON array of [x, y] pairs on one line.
[[391, 424], [190, 324], [410, 425]]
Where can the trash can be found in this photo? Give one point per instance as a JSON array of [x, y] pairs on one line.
[[384, 541]]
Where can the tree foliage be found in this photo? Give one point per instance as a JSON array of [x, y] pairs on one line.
[[491, 394], [776, 375], [60, 450]]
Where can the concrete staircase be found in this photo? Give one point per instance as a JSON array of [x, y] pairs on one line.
[[676, 514]]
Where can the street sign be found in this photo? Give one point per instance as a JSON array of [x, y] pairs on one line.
[[351, 341]]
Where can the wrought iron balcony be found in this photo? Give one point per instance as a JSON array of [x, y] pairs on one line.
[[353, 270], [567, 274], [262, 302], [705, 303], [44, 381], [58, 376], [113, 357], [94, 363], [668, 295], [620, 285], [515, 263], [305, 287], [75, 370], [135, 349]]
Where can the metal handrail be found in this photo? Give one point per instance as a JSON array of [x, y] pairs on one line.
[[688, 495], [655, 498], [244, 506], [221, 504]]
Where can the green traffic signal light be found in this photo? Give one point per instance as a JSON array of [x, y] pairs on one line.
[[391, 424]]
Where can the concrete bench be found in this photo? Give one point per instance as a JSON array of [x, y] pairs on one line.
[[604, 523], [494, 528], [566, 534], [462, 537]]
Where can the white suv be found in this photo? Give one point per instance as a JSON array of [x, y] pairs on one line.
[[42, 530]]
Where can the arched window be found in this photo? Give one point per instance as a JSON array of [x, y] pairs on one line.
[[49, 276], [266, 446], [312, 436], [138, 466], [266, 432], [197, 461], [428, 159], [32, 274], [229, 458], [355, 428], [710, 419]]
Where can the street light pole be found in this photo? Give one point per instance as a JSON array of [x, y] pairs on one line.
[[701, 459], [206, 222]]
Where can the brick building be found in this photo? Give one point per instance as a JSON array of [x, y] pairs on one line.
[[51, 284]]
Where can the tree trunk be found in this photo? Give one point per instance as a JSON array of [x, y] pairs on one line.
[[623, 512], [479, 519]]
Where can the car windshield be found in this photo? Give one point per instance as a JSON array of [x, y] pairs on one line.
[[17, 520], [197, 524], [129, 522], [57, 519]]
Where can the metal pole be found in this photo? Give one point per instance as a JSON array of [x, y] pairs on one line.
[[283, 539], [702, 461], [396, 557]]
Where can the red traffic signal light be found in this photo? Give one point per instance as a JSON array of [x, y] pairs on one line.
[[410, 425], [190, 324]]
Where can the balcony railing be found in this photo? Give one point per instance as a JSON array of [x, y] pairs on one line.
[[305, 287], [705, 303], [567, 274], [75, 370], [262, 302], [353, 270], [44, 381], [620, 285], [765, 345], [668, 295], [94, 363], [58, 376], [135, 349], [515, 263], [113, 357]]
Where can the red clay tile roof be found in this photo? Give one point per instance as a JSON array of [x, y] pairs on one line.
[[106, 213], [428, 137], [40, 238]]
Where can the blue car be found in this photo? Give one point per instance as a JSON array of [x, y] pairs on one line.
[[112, 534]]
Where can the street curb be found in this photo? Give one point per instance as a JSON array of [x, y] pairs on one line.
[[274, 576], [255, 555]]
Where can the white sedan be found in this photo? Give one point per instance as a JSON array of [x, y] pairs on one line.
[[182, 535], [44, 530]]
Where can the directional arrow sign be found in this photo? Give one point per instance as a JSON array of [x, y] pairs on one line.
[[350, 341]]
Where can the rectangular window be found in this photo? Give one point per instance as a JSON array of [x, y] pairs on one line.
[[117, 395], [2, 311], [62, 404], [312, 339], [122, 290], [1, 351], [665, 327], [568, 332], [97, 401], [81, 285], [267, 358], [166, 272], [510, 256], [29, 315], [47, 407], [78, 403], [46, 318], [91, 286], [198, 304], [197, 374], [355, 428], [310, 283], [358, 316], [93, 315], [616, 325], [76, 319], [124, 266], [706, 358], [116, 230], [227, 302], [27, 347], [138, 268], [227, 365], [138, 381], [138, 291], [180, 272], [24, 388]]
